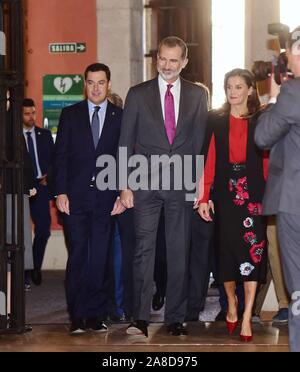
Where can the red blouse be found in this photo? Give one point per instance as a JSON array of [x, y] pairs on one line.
[[238, 131]]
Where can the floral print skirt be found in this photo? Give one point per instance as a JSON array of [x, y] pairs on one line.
[[240, 235]]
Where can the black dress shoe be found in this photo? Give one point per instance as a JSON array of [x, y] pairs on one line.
[[177, 329], [96, 324], [128, 318], [138, 328], [221, 317], [77, 327], [157, 301], [190, 318], [36, 276], [115, 318]]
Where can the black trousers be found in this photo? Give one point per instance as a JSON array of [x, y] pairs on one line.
[[200, 264], [88, 235], [40, 215]]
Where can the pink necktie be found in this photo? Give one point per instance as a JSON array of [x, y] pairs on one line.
[[170, 122]]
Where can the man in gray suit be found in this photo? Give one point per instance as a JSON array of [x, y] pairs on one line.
[[165, 116], [279, 130]]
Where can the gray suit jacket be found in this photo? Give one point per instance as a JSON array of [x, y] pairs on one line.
[[278, 129], [143, 130]]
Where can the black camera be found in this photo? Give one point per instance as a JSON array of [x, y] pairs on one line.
[[279, 65]]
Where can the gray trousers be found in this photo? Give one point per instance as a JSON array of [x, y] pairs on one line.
[[288, 226], [28, 256], [274, 272], [178, 214]]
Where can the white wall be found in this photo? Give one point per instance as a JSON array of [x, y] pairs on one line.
[[56, 252], [259, 13]]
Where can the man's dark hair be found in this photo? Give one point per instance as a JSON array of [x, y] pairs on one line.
[[95, 67], [28, 102], [172, 42]]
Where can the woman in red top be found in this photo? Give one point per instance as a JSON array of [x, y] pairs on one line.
[[235, 172]]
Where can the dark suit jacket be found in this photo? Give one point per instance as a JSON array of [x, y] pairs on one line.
[[143, 130], [278, 129], [75, 155]]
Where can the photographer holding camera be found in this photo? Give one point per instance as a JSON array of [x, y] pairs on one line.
[[279, 130]]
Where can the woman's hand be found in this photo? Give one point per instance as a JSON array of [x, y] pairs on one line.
[[204, 210], [274, 87]]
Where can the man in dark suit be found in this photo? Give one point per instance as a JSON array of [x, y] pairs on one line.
[[40, 146], [164, 116], [86, 131], [278, 129]]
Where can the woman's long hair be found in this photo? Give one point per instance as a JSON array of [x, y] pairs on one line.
[[253, 102]]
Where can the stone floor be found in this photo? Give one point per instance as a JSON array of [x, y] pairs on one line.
[[203, 337], [46, 313], [46, 304]]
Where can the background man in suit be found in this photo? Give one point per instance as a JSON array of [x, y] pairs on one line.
[[87, 130], [40, 146], [163, 116], [279, 130]]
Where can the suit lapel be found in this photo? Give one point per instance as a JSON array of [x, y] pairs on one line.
[[109, 115], [85, 125], [38, 137], [39, 145], [183, 107], [154, 102]]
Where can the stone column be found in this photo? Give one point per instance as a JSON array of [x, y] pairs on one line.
[[259, 13], [120, 41]]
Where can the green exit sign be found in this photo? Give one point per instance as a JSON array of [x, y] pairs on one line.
[[59, 48]]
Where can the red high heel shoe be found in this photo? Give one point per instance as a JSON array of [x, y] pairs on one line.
[[244, 338], [231, 326]]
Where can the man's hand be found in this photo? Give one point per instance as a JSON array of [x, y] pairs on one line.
[[274, 87], [32, 192], [62, 203], [118, 207], [126, 197]]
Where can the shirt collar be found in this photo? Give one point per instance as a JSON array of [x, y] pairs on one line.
[[164, 83], [92, 106], [28, 130]]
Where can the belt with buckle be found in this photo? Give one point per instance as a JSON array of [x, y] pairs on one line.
[[236, 167]]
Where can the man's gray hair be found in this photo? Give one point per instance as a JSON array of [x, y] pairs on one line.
[[172, 42]]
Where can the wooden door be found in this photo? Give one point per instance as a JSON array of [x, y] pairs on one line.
[[191, 21]]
